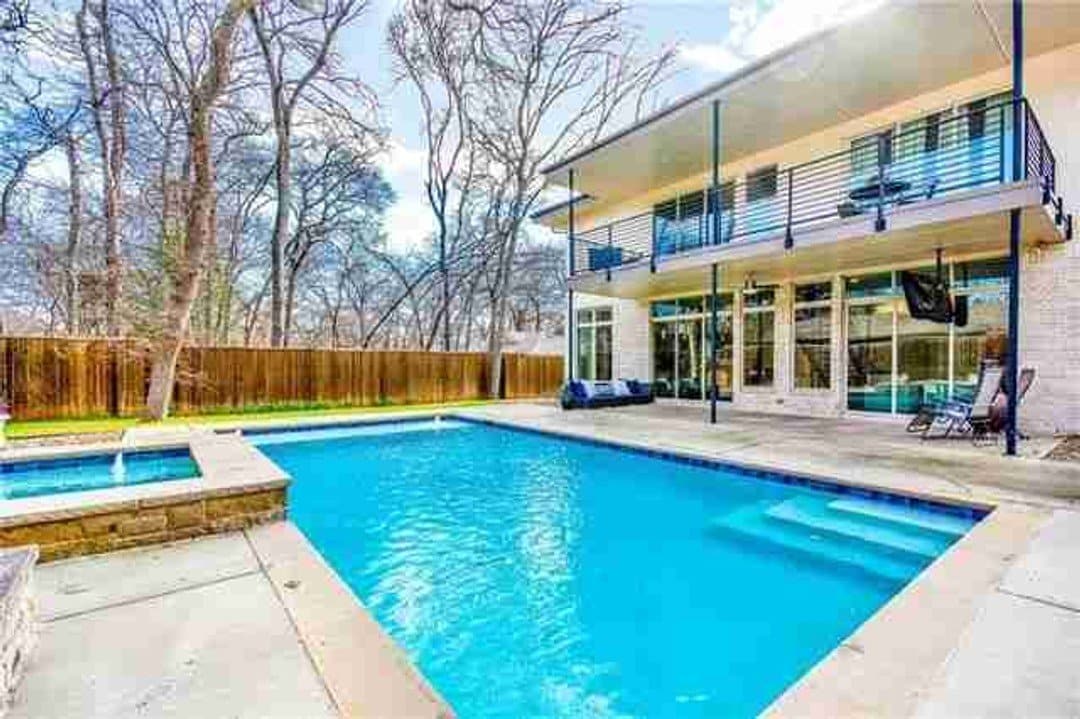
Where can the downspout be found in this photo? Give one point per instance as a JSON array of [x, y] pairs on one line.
[[1013, 352]]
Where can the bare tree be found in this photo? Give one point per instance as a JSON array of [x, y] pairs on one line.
[[297, 43], [100, 49], [74, 233], [554, 74], [205, 90], [432, 50]]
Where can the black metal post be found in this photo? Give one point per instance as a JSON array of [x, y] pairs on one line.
[[570, 292], [879, 221], [789, 239], [717, 200], [714, 336], [1012, 359], [717, 213]]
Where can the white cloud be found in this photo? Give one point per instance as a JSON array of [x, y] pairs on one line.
[[754, 34], [409, 220], [712, 58]]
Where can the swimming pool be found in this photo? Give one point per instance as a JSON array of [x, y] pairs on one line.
[[32, 478], [529, 575]]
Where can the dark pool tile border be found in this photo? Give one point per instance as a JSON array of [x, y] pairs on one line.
[[781, 477], [343, 424], [10, 465]]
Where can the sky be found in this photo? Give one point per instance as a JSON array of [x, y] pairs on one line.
[[713, 39]]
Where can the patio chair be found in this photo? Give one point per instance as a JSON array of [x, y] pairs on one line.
[[956, 416], [995, 422]]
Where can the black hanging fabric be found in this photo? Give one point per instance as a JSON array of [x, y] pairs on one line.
[[927, 299]]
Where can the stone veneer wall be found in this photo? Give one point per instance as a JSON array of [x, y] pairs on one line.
[[146, 522], [18, 629]]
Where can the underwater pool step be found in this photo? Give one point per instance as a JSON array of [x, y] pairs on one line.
[[816, 516], [899, 515], [752, 527]]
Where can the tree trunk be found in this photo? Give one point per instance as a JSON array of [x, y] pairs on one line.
[[283, 185], [8, 193], [200, 214], [498, 313], [116, 157], [75, 210]]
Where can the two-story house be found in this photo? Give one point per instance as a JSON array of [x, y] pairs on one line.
[[791, 199]]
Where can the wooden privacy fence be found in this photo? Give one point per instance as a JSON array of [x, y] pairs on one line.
[[46, 378]]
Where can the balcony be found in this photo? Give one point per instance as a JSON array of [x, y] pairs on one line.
[[864, 189]]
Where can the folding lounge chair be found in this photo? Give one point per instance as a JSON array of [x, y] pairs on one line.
[[960, 417]]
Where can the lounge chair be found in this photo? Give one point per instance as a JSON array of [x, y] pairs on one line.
[[584, 394], [956, 416]]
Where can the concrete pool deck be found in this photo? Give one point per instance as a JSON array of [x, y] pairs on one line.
[[247, 624], [992, 628]]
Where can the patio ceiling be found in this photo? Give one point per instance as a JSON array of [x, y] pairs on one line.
[[876, 60]]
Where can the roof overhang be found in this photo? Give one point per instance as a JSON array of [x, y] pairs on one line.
[[898, 51]]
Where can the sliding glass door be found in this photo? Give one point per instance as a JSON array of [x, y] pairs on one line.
[[681, 347], [897, 364]]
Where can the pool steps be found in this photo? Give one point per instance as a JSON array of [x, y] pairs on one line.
[[820, 518], [878, 541], [895, 514]]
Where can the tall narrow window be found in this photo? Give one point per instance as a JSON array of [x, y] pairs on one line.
[[813, 336], [759, 330], [594, 341]]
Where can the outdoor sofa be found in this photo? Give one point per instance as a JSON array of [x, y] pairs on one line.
[[585, 394]]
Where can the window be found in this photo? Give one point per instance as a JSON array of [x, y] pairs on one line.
[[681, 347], [727, 213], [897, 364], [865, 153], [813, 336], [594, 341], [759, 328], [761, 184], [677, 223]]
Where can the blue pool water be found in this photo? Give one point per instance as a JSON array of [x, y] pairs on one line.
[[51, 476], [528, 575]]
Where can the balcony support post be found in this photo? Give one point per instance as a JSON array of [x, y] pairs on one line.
[[714, 336], [879, 221], [717, 200], [570, 290], [1012, 369]]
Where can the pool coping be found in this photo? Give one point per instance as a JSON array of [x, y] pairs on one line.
[[365, 672]]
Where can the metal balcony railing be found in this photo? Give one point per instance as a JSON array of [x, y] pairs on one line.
[[930, 158]]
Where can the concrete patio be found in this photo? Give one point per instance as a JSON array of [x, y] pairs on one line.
[[247, 624], [860, 450]]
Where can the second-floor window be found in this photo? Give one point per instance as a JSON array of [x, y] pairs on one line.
[[678, 223], [761, 184]]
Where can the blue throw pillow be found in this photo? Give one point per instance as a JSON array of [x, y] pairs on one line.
[[577, 389]]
